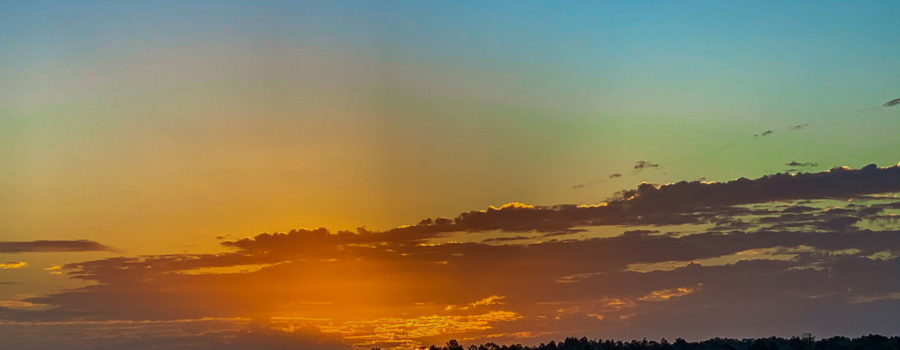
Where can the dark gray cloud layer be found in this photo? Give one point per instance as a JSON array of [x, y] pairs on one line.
[[778, 255], [655, 204], [178, 335]]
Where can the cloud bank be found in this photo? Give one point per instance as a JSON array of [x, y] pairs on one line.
[[777, 255]]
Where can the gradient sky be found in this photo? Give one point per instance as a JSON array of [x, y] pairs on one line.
[[168, 127]]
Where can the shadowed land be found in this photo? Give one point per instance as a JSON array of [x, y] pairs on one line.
[[804, 342]]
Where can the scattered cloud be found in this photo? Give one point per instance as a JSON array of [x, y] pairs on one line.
[[789, 128], [770, 248]]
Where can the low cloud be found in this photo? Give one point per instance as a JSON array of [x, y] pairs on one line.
[[795, 163], [780, 254], [182, 334], [51, 246]]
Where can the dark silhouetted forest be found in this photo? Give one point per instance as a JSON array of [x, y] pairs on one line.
[[805, 342]]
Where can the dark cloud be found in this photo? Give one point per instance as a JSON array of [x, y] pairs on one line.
[[789, 128], [837, 182], [774, 255], [615, 175], [51, 246], [795, 163], [530, 275], [648, 204], [505, 239], [642, 164], [891, 103], [200, 334]]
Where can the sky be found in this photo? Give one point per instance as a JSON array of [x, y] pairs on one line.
[[273, 174]]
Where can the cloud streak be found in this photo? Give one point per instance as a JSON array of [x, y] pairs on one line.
[[643, 164], [51, 246], [795, 163], [891, 103]]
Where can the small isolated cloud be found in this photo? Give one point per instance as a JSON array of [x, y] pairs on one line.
[[891, 103], [51, 246], [795, 163], [643, 164], [575, 187], [798, 126], [613, 176], [789, 128], [12, 265]]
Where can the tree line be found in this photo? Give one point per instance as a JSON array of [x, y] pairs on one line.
[[804, 342]]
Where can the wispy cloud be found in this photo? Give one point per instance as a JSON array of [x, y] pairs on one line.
[[491, 300], [51, 246]]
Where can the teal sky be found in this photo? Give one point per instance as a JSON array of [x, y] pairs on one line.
[[197, 119]]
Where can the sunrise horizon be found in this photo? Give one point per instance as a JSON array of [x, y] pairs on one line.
[[449, 175]]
